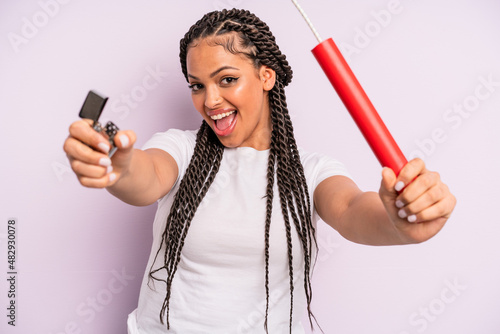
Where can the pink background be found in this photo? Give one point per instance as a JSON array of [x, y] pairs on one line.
[[417, 61]]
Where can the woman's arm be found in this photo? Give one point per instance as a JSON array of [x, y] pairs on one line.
[[150, 176], [136, 177], [388, 218]]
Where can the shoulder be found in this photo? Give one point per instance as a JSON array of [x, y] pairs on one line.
[[178, 143], [320, 166], [171, 136]]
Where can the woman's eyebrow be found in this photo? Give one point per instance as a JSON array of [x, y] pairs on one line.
[[214, 73]]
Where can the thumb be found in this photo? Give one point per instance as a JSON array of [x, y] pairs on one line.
[[387, 184], [125, 140]]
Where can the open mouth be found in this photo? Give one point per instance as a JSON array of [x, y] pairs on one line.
[[224, 123]]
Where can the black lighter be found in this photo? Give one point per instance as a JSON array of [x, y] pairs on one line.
[[92, 109]]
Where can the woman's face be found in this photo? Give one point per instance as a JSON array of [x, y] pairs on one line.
[[231, 95]]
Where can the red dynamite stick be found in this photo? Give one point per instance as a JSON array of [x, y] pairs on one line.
[[359, 106]]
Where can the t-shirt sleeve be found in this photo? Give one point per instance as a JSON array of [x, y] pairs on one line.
[[319, 167], [330, 167], [178, 143]]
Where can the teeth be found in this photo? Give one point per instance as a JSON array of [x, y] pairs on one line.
[[219, 116]]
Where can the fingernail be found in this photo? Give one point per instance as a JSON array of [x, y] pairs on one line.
[[399, 204], [112, 177], [400, 185], [103, 147], [105, 162], [110, 169], [124, 140], [412, 218], [402, 214]]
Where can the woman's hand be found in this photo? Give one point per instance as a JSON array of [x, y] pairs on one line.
[[420, 210], [87, 151]]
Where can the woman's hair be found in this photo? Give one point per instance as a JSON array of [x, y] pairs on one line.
[[243, 33]]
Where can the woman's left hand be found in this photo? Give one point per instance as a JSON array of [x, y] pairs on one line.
[[424, 205]]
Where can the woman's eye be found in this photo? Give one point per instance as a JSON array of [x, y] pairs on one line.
[[195, 87], [228, 80]]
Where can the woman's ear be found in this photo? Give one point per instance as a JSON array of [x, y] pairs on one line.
[[268, 77]]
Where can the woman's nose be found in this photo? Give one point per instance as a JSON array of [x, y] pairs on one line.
[[212, 98]]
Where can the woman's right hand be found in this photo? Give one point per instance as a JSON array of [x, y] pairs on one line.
[[87, 151]]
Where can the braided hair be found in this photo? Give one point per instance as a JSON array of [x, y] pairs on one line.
[[255, 40]]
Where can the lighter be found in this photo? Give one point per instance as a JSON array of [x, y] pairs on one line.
[[92, 109]]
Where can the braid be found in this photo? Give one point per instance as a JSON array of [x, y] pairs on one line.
[[292, 188], [193, 187], [256, 41], [269, 209]]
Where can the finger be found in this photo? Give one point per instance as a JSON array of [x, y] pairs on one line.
[[102, 182], [409, 172], [441, 209], [76, 150], [427, 199], [82, 169], [83, 131], [419, 187]]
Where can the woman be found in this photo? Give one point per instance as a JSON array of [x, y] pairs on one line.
[[246, 194]]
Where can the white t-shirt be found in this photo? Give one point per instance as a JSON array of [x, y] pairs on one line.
[[219, 286]]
